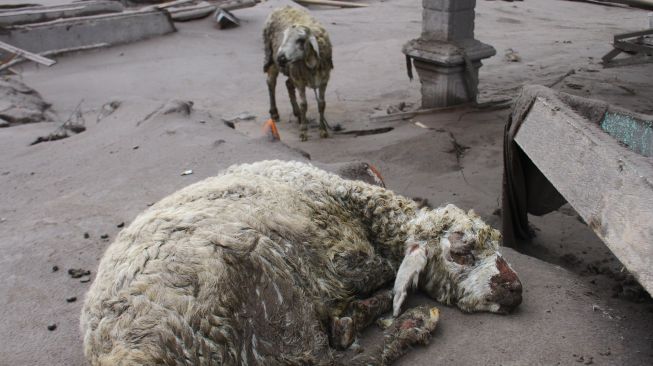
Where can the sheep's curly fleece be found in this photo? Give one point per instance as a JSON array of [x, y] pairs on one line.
[[244, 268]]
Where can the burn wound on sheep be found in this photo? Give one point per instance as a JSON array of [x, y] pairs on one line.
[[252, 266]]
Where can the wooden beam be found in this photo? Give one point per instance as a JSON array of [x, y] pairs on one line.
[[26, 54], [610, 186], [341, 4]]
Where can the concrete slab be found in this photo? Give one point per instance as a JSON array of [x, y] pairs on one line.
[[73, 33]]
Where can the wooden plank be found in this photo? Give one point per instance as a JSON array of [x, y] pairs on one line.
[[48, 13], [26, 54], [7, 65], [237, 4], [610, 186], [340, 4]]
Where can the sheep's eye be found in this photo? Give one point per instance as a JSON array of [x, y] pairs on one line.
[[461, 250], [462, 258], [301, 42]]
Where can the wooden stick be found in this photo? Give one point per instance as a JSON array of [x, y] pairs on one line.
[[13, 62], [237, 4], [172, 3], [28, 55], [342, 4], [641, 4]]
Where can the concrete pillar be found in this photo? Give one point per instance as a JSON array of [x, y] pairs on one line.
[[438, 55]]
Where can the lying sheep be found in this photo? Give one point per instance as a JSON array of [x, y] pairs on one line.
[[271, 263], [299, 47]]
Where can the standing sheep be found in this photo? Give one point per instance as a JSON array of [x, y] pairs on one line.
[[271, 263], [299, 47]]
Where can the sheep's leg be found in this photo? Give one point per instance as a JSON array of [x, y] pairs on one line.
[[293, 98], [303, 106], [273, 72], [411, 328], [321, 105], [359, 315]]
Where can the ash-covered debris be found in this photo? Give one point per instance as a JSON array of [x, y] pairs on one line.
[[21, 104]]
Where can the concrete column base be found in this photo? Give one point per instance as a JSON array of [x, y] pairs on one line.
[[444, 86], [442, 71]]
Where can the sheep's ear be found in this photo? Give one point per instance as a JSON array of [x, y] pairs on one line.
[[313, 41], [408, 274], [312, 57]]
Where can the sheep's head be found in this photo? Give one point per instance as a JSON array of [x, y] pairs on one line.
[[299, 45], [453, 257]]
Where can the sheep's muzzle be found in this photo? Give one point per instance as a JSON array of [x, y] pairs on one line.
[[506, 287], [282, 60]]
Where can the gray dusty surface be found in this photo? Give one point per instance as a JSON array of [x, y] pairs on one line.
[[53, 193]]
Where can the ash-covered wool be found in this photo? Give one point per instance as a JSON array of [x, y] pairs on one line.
[[252, 266]]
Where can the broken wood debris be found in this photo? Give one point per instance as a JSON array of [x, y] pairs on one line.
[[238, 4], [641, 4], [224, 19], [26, 54], [633, 43], [15, 61], [75, 124], [39, 14], [191, 12], [340, 4]]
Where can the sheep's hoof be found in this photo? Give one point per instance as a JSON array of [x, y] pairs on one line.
[[342, 332], [324, 134], [303, 136], [274, 115]]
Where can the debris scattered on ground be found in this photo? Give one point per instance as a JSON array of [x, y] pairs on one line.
[[71, 299], [87, 235], [55, 268], [104, 236], [74, 124], [107, 109], [4, 123], [78, 272], [85, 280], [224, 19], [22, 104], [230, 124], [135, 147], [421, 125], [400, 107], [575, 86], [183, 107], [511, 55], [52, 327], [339, 4], [373, 131], [627, 89], [122, 224], [245, 116], [191, 12], [187, 172]]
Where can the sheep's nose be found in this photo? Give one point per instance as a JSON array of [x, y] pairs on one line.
[[506, 287], [281, 59], [509, 295]]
